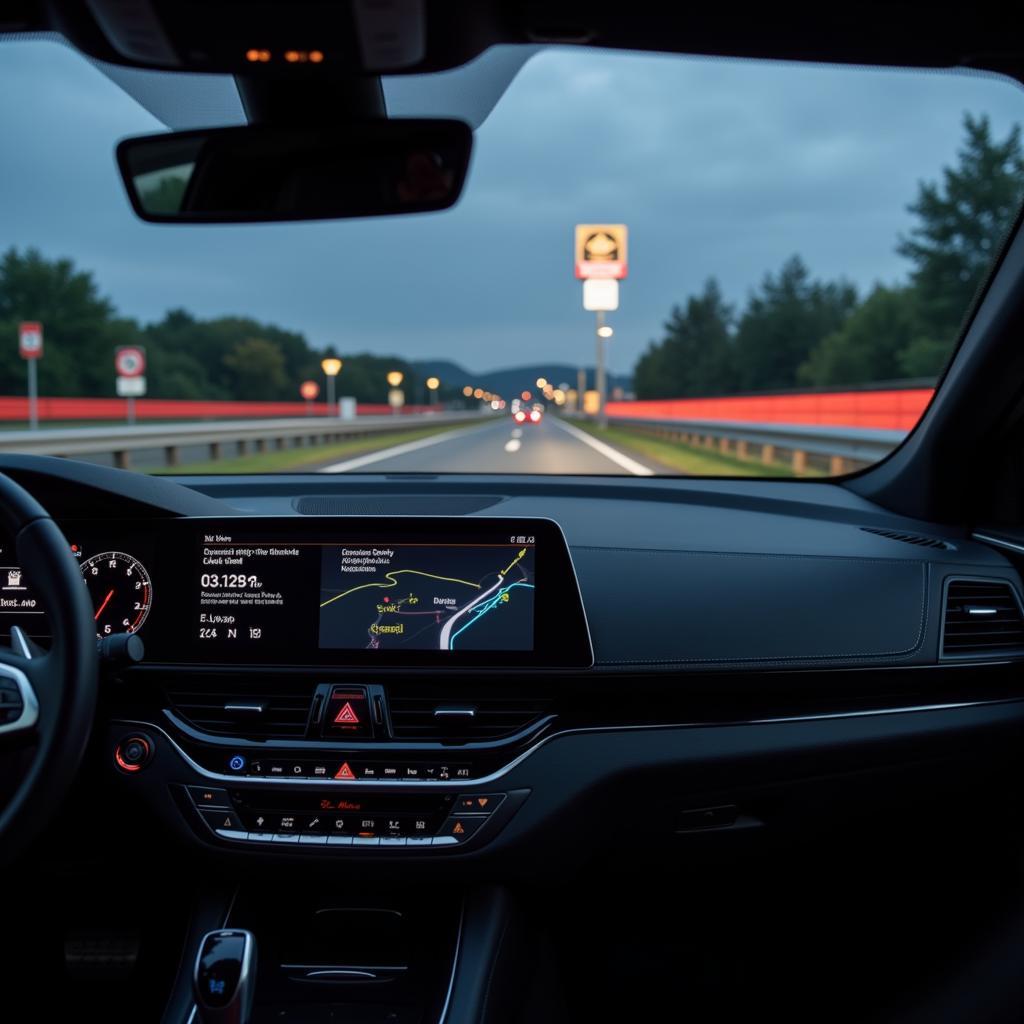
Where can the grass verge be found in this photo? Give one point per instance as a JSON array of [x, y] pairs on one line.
[[301, 458], [682, 458]]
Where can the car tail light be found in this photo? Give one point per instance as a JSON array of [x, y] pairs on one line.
[[535, 416], [520, 417]]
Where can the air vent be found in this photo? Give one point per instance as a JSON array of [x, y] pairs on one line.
[[394, 504], [454, 715], [911, 538], [257, 709], [983, 617]]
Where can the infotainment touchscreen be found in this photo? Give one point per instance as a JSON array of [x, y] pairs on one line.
[[388, 591]]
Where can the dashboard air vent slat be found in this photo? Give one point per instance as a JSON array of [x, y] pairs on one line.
[[431, 713], [255, 709], [911, 538], [982, 618]]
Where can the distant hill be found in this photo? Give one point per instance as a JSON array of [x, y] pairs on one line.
[[513, 379]]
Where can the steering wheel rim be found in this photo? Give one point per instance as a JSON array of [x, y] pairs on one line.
[[61, 682]]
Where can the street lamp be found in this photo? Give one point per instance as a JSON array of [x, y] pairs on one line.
[[542, 383], [331, 367], [396, 399], [605, 331], [433, 383]]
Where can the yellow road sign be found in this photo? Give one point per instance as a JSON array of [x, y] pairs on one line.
[[601, 251]]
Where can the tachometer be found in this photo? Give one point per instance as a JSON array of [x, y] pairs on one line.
[[121, 592]]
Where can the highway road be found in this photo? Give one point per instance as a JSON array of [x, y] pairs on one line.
[[501, 446]]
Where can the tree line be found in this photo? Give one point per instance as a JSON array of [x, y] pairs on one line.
[[796, 330], [234, 358]]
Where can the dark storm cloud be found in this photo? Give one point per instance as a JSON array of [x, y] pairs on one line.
[[718, 167]]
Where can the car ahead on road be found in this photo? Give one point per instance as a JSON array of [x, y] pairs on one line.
[[701, 701], [523, 413]]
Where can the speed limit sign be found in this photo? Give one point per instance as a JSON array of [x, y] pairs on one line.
[[30, 339], [130, 361]]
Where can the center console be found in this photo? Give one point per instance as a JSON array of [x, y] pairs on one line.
[[335, 686]]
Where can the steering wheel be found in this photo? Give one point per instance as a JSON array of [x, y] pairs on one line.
[[47, 698]]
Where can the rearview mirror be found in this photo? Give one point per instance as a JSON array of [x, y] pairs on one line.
[[270, 173]]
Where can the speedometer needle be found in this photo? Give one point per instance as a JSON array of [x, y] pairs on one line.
[[99, 611]]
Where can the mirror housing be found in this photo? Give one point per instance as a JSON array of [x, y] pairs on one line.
[[261, 173]]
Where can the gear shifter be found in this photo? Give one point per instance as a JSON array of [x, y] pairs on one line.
[[225, 977]]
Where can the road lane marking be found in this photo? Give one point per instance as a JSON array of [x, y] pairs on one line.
[[513, 445], [628, 464], [518, 432], [398, 449]]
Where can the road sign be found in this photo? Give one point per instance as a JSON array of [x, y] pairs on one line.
[[30, 339], [601, 294], [130, 361], [130, 387], [601, 250], [309, 389]]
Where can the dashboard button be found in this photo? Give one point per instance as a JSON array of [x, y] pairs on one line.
[[313, 840], [393, 841], [365, 841], [281, 837], [285, 823], [419, 840], [209, 796], [236, 762], [261, 837], [444, 841], [461, 827], [348, 714], [222, 820], [227, 833], [478, 803], [339, 840]]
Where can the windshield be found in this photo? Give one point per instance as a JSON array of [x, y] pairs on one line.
[[776, 261]]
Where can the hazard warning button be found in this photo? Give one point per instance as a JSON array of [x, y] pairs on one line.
[[348, 713], [461, 827]]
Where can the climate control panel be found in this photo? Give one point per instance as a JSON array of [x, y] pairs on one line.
[[369, 819]]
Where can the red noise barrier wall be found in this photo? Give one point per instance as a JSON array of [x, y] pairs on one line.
[[16, 408], [896, 409]]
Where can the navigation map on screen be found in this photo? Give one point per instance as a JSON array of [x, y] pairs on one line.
[[449, 597]]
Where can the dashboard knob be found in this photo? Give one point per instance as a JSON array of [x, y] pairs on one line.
[[133, 752]]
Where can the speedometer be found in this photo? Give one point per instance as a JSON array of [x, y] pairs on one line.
[[121, 592]]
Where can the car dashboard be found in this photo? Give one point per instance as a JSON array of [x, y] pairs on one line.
[[510, 672]]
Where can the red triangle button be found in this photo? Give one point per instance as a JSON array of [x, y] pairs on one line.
[[346, 716], [344, 772]]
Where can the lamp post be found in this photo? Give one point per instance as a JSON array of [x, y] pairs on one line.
[[396, 399], [433, 383], [604, 331], [331, 367]]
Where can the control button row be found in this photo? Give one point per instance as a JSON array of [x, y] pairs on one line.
[[349, 770], [383, 842], [356, 824]]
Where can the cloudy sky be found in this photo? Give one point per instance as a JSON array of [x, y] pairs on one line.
[[720, 168]]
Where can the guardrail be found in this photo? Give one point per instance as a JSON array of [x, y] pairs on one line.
[[839, 449], [261, 435]]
